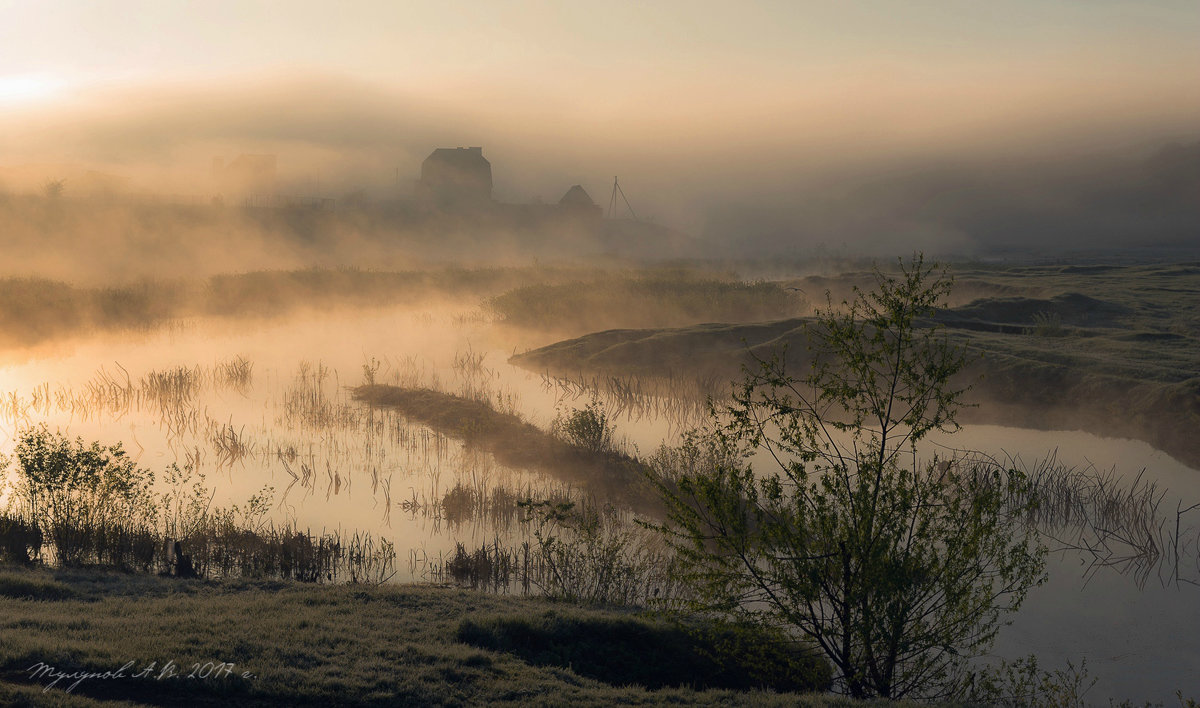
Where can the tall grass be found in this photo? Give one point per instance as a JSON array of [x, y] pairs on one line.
[[306, 404], [236, 373], [678, 399], [595, 555], [231, 444], [20, 539], [1111, 522], [215, 549], [494, 567], [286, 552], [170, 395], [577, 552]]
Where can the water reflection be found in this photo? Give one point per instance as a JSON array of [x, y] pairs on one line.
[[266, 404]]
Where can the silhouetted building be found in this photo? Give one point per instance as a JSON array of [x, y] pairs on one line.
[[577, 203], [456, 178]]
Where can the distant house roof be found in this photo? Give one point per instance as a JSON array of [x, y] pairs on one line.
[[457, 175], [576, 196]]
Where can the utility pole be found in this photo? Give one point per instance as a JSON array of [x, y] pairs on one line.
[[612, 200]]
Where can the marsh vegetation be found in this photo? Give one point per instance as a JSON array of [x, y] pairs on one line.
[[420, 438]]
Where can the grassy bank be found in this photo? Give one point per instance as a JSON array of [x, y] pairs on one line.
[[1113, 350], [609, 475], [298, 645]]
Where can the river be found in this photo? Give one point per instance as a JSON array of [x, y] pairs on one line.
[[373, 471]]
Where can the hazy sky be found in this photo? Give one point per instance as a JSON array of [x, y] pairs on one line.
[[690, 102], [595, 52]]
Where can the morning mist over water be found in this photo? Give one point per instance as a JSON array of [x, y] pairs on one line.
[[450, 309]]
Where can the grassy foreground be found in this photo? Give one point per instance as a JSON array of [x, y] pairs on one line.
[[282, 643]]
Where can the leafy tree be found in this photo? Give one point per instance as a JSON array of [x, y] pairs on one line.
[[72, 489], [897, 568]]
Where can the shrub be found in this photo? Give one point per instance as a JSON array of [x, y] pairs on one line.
[[1023, 683], [77, 494], [587, 428], [20, 539], [586, 554]]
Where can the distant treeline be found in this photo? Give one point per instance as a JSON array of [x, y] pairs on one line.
[[33, 310], [668, 299]]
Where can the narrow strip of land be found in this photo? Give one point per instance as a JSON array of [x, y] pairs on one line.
[[611, 476]]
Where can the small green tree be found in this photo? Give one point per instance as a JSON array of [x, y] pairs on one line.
[[72, 490], [897, 569], [588, 428]]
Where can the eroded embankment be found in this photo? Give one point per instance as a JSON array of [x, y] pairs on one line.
[[611, 476], [1085, 373]]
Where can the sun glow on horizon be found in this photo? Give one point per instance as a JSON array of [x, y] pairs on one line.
[[24, 89]]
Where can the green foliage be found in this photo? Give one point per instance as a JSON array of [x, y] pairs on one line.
[[898, 569], [185, 504], [79, 494], [1024, 683], [587, 428], [632, 650], [96, 506]]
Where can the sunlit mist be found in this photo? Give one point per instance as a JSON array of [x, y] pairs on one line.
[[384, 293], [24, 90]]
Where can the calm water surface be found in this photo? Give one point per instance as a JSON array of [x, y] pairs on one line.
[[335, 464]]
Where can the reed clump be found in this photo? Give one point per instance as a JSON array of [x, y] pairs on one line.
[[307, 405], [230, 444], [236, 374], [492, 567], [595, 555], [1112, 522], [20, 539], [498, 505]]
